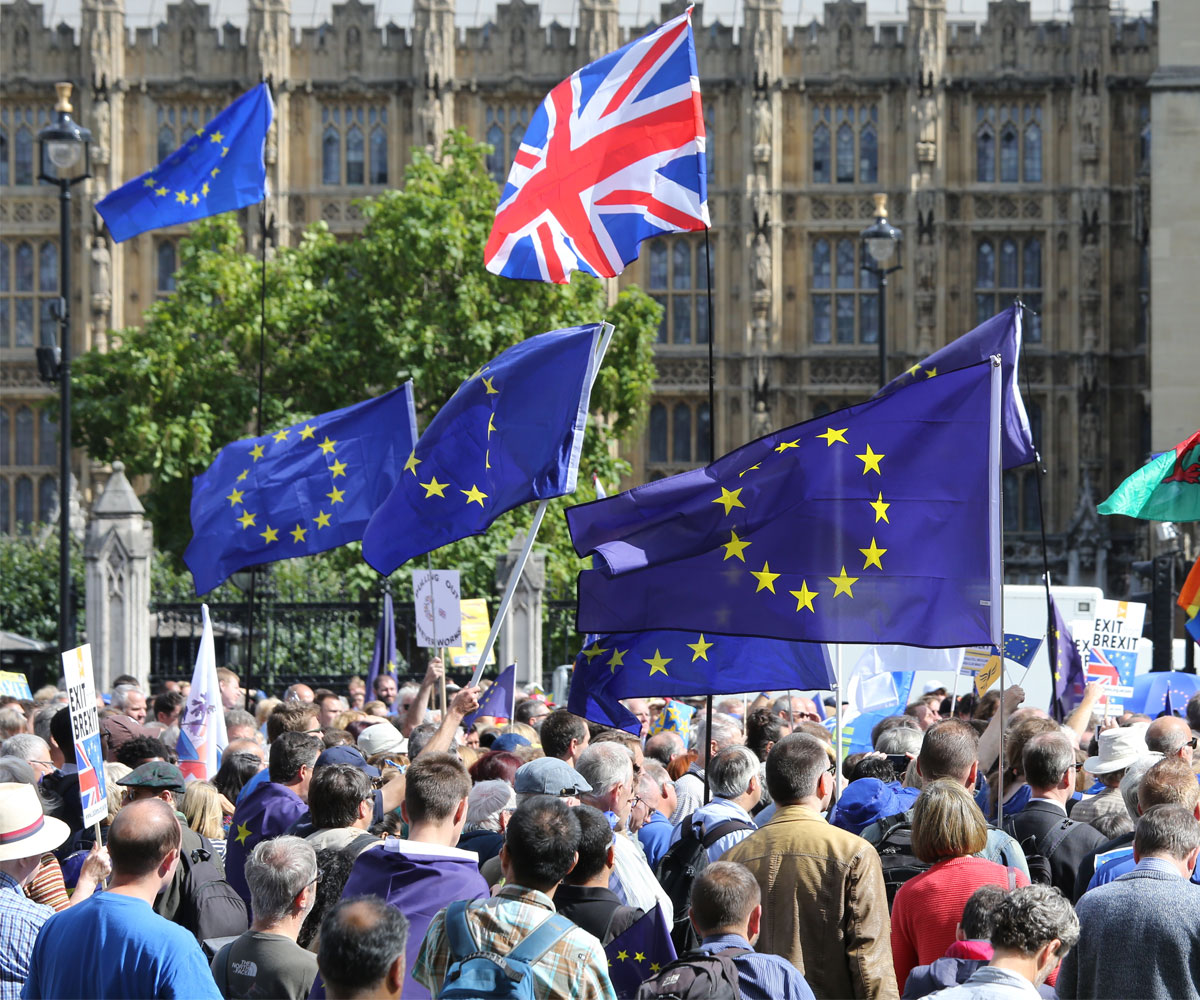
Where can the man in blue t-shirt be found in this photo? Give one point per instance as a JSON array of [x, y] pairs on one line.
[[114, 944]]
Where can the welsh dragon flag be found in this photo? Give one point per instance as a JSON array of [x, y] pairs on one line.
[[1167, 488]]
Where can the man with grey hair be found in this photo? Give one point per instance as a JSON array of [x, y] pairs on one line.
[[656, 799], [1042, 828], [665, 746], [240, 725], [900, 740], [32, 749], [129, 700], [689, 789], [12, 721], [608, 768], [265, 961], [1152, 908], [1032, 929], [736, 788], [488, 807]]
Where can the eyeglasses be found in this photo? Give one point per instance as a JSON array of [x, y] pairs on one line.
[[831, 770], [315, 879], [1190, 743], [634, 801], [313, 732]]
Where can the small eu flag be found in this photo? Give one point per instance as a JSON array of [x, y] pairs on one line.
[[999, 335], [1067, 665], [1021, 648], [685, 664], [874, 524], [640, 952], [498, 699], [304, 489], [511, 433], [219, 169]]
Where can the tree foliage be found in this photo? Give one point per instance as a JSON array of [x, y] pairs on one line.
[[346, 320]]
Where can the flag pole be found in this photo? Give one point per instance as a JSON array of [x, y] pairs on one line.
[[712, 452], [997, 561], [837, 719]]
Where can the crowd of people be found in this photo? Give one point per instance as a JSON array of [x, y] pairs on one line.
[[358, 843]]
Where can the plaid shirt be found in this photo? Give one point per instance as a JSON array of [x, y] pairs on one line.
[[574, 969], [20, 921]]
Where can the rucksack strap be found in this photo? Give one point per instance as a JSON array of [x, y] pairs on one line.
[[458, 931], [1052, 839], [723, 829], [890, 824], [544, 937]]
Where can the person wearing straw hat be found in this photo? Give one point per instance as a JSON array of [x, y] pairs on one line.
[[25, 835], [1118, 748]]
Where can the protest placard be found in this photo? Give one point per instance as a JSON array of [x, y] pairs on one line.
[[14, 685], [475, 628], [438, 607], [85, 729], [1109, 648], [984, 665]]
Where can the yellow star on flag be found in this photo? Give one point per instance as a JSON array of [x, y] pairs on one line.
[[243, 831], [336, 496], [474, 495], [833, 434], [842, 583], [160, 192], [235, 497], [873, 554], [617, 660], [751, 469], [326, 446], [658, 664], [244, 474], [224, 151], [655, 967], [593, 651], [270, 535], [870, 461], [306, 432], [434, 489], [785, 445], [217, 137], [246, 520], [622, 955], [195, 198], [930, 372], [880, 508], [204, 189], [282, 436], [322, 520], [639, 957], [734, 547], [491, 424], [699, 648], [149, 182], [804, 597], [214, 171], [256, 452], [338, 469], [490, 389], [766, 579], [298, 534], [412, 463], [181, 197], [729, 499], [914, 369]]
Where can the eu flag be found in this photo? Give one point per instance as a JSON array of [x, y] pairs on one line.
[[498, 699], [874, 524], [1067, 665], [304, 489], [640, 952], [511, 433], [685, 664], [999, 335], [218, 170], [383, 659], [1021, 648]]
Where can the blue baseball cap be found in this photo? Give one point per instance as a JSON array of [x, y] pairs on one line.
[[347, 755]]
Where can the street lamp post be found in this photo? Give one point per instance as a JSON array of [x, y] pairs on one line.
[[63, 149], [880, 242]]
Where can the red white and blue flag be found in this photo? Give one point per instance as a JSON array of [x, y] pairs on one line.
[[614, 156], [91, 781]]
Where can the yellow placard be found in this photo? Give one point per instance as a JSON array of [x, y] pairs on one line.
[[988, 674], [475, 628]]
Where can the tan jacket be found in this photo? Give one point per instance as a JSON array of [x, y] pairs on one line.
[[824, 904]]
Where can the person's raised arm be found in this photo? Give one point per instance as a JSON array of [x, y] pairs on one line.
[[989, 742], [462, 704], [416, 709]]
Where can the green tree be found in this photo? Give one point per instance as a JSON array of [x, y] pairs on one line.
[[29, 583], [346, 320]]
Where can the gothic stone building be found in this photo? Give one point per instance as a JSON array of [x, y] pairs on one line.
[[1015, 154]]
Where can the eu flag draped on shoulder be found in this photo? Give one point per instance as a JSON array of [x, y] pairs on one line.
[[614, 156], [219, 169], [685, 664], [641, 951], [999, 335], [874, 524], [304, 489], [511, 433]]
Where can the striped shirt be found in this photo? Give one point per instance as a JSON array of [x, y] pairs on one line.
[[20, 921], [574, 969]]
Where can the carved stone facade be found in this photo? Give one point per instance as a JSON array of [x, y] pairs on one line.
[[1014, 152]]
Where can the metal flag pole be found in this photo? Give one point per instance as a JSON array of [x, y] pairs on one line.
[[954, 692], [433, 610], [837, 718], [997, 560]]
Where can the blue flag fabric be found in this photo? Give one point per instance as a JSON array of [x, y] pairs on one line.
[[1067, 665], [675, 717], [1021, 648], [304, 489], [642, 951], [383, 659], [511, 433], [497, 700], [686, 664], [874, 524], [999, 335], [219, 169]]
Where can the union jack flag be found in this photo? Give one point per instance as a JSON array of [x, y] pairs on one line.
[[91, 780], [614, 156]]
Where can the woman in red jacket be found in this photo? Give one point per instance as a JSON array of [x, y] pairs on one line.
[[947, 830]]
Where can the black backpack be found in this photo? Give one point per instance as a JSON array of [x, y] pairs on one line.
[[684, 860], [1039, 851], [697, 976], [200, 899], [895, 855]]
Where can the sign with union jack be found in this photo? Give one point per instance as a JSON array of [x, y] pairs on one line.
[[85, 728], [614, 156]]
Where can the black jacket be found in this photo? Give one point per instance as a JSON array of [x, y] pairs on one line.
[[1032, 827], [596, 909]]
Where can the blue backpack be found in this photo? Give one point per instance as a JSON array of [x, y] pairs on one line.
[[484, 974]]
